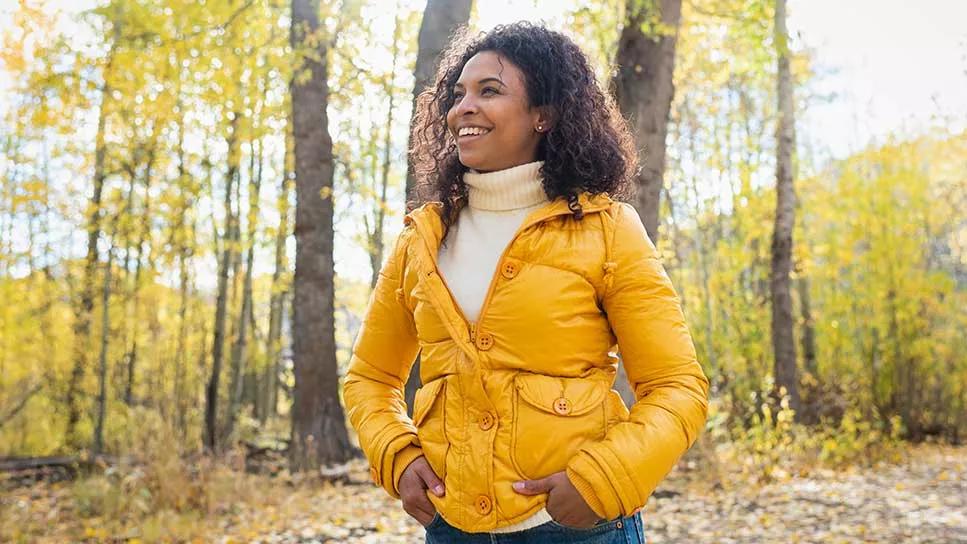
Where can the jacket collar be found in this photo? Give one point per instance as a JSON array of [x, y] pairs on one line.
[[429, 224]]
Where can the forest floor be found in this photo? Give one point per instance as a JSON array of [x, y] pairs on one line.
[[920, 498]]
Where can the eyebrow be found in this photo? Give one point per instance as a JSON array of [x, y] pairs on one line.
[[482, 81]]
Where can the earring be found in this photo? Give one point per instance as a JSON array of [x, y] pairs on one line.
[[540, 128]]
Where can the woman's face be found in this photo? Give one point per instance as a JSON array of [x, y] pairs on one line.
[[490, 99]]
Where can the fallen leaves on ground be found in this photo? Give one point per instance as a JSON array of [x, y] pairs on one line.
[[920, 499]]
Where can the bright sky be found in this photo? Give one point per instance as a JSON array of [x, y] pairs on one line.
[[900, 65], [892, 65]]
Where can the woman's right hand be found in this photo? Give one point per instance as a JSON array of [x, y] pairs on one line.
[[417, 477]]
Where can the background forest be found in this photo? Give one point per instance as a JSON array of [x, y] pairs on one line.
[[168, 165]]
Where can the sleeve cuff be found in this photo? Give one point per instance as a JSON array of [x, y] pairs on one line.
[[402, 460], [594, 485], [587, 493]]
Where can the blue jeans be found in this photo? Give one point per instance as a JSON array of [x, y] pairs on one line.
[[622, 530]]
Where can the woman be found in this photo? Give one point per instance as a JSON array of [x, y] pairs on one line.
[[514, 280]]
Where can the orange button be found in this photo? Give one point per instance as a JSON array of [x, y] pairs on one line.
[[509, 269], [486, 421], [562, 406], [485, 340], [483, 505]]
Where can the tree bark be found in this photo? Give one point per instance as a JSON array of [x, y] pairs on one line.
[[783, 341], [440, 19], [643, 88], [319, 435]]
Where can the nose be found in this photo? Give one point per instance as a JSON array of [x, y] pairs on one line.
[[467, 105]]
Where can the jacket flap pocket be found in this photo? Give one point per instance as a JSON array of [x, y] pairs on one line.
[[424, 399], [561, 396]]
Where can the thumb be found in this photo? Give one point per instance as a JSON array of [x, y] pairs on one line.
[[533, 487], [432, 482]]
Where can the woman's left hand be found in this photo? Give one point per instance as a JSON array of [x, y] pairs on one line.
[[564, 503]]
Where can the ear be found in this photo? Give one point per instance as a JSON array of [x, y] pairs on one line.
[[546, 118]]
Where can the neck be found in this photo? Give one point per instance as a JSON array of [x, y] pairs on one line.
[[508, 189]]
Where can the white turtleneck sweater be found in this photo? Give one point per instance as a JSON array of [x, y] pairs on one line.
[[498, 203]]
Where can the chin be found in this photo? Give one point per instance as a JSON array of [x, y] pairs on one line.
[[475, 163]]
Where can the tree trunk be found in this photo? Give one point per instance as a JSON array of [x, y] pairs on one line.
[[132, 355], [783, 341], [440, 19], [221, 302], [239, 348], [82, 318], [102, 363], [319, 435], [644, 89], [181, 240]]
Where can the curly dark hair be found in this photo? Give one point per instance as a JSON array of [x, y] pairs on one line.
[[588, 148]]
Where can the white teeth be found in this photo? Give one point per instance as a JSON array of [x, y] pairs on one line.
[[472, 131]]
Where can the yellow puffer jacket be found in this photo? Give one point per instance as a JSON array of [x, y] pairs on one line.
[[525, 391]]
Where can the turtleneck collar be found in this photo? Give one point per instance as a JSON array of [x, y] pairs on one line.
[[508, 189]]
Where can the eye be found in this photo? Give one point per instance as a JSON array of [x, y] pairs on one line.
[[491, 89]]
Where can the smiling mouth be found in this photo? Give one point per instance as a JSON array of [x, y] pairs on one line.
[[472, 136]]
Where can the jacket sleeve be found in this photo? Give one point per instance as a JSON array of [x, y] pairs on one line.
[[618, 473], [382, 356]]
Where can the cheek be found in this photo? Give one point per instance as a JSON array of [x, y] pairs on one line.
[[513, 126], [511, 117]]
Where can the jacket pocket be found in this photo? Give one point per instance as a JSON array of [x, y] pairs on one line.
[[552, 418], [429, 418]]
